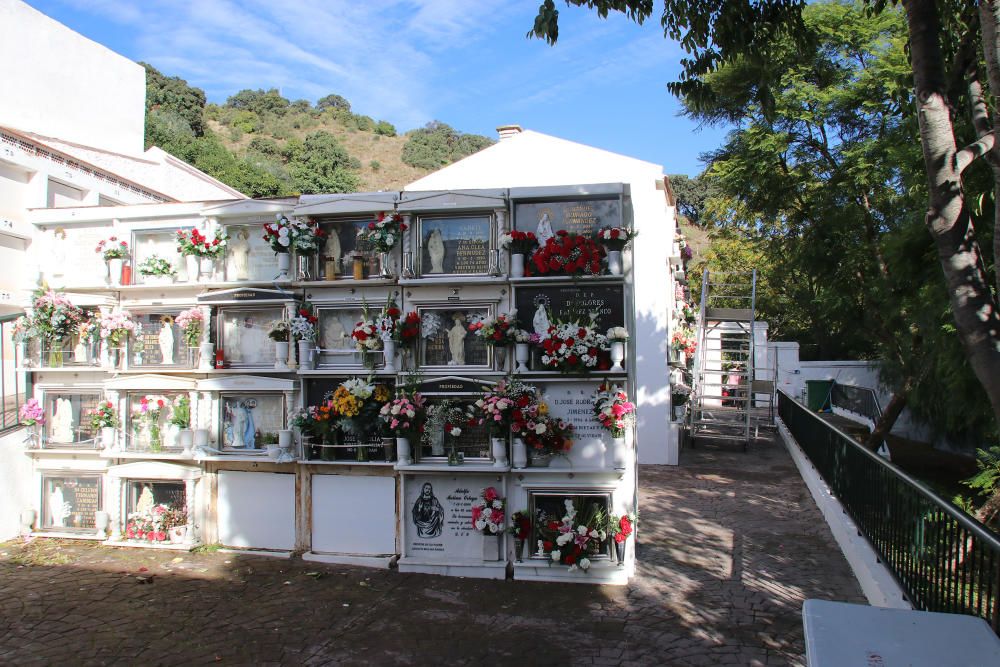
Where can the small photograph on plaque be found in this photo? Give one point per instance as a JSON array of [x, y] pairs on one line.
[[69, 502], [249, 256], [341, 240], [251, 422], [582, 217], [67, 422], [448, 338], [158, 342], [455, 246], [244, 338], [337, 348]]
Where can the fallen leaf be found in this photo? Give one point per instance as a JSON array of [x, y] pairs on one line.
[[177, 560], [144, 569]]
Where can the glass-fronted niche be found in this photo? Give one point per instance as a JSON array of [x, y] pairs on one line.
[[548, 506], [149, 427], [249, 256], [243, 335], [341, 241], [161, 243], [74, 350], [250, 422], [447, 414], [67, 418], [580, 216], [455, 245], [448, 338], [158, 341], [144, 516], [337, 348], [69, 501]]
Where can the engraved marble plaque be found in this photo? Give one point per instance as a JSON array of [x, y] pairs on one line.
[[454, 245], [69, 502], [584, 216], [438, 515], [572, 303], [574, 403]]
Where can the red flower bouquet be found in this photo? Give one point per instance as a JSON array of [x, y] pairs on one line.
[[567, 254]]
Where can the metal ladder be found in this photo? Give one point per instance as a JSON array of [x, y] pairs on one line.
[[724, 368]]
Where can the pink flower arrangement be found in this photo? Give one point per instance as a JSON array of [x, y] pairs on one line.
[[112, 248], [383, 232], [191, 322], [505, 404], [613, 409], [403, 416], [615, 238], [31, 413], [116, 327], [488, 512]]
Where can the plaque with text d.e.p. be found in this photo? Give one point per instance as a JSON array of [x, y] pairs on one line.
[[458, 246], [571, 304], [579, 217], [438, 515]]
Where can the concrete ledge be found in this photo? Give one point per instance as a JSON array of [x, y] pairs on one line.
[[380, 562], [256, 552], [601, 572], [877, 582], [475, 569]]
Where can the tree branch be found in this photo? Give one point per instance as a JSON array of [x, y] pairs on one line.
[[981, 122]]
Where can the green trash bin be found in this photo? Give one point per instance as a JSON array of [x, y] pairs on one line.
[[818, 394]]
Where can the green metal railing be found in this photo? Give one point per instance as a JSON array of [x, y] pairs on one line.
[[944, 559]]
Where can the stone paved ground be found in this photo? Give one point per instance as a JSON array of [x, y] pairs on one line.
[[731, 545]]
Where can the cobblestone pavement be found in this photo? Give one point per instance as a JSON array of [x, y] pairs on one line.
[[730, 546]]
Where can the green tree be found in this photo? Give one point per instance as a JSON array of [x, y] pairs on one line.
[[437, 144], [333, 102], [691, 194], [259, 101], [321, 164], [173, 94], [385, 128]]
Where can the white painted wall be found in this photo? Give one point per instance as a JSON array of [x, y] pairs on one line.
[[336, 527], [18, 487], [59, 83], [256, 510]]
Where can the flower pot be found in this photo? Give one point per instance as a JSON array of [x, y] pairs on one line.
[[539, 459], [519, 453], [385, 264], [403, 454], [522, 353], [108, 437], [285, 439], [101, 522], [191, 268], [178, 534], [206, 269], [185, 439], [206, 356], [158, 280], [27, 521], [389, 449], [115, 271], [491, 547], [518, 549], [281, 355], [284, 264], [498, 447], [619, 453], [620, 552], [615, 262], [201, 438], [306, 361], [517, 265], [617, 355], [389, 353]]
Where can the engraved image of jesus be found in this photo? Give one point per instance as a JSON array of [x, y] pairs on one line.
[[428, 515]]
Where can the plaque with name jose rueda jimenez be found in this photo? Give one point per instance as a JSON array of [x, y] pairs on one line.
[[537, 304], [583, 217], [438, 515], [455, 246]]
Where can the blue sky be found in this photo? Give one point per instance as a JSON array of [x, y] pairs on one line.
[[464, 62]]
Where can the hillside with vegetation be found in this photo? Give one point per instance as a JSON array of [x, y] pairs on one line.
[[266, 145]]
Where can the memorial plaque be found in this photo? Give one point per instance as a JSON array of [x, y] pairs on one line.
[[74, 256], [455, 245], [446, 338], [67, 422], [69, 502], [244, 335], [249, 256], [569, 304], [334, 337], [158, 342], [579, 217], [574, 403], [453, 386], [438, 515], [249, 422]]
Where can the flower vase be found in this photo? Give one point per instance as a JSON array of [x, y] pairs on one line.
[[206, 269], [108, 437], [620, 552], [27, 521], [491, 547], [501, 355], [679, 413], [519, 453], [518, 549], [201, 439], [385, 264], [31, 439], [619, 452], [517, 265], [55, 354], [453, 458], [115, 271], [403, 454], [206, 356], [389, 450], [284, 264], [437, 443], [361, 452], [522, 352], [178, 534], [101, 522], [281, 355], [498, 447], [304, 272], [191, 268], [185, 439], [305, 354], [389, 352], [539, 459], [407, 271], [615, 262], [328, 451], [155, 443], [617, 355]]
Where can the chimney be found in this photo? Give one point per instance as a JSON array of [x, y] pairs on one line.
[[508, 131]]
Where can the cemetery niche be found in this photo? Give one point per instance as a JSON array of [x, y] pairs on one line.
[[248, 256], [583, 217], [69, 502], [447, 337], [244, 335], [69, 424], [337, 348], [250, 422], [158, 342], [455, 246]]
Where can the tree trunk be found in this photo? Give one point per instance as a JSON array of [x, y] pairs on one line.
[[948, 220], [889, 417], [989, 20]]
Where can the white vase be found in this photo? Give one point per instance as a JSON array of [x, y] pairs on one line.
[[284, 264], [519, 453], [389, 352], [206, 269], [522, 352], [115, 271], [101, 522], [517, 265], [617, 355], [191, 268], [615, 262], [285, 439], [679, 413], [403, 454], [108, 437], [178, 534], [281, 355], [499, 449], [27, 521], [305, 354], [491, 547], [206, 357], [201, 438], [185, 439], [619, 453]]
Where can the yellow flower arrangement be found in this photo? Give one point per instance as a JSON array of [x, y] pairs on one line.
[[345, 403], [543, 408], [381, 393]]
